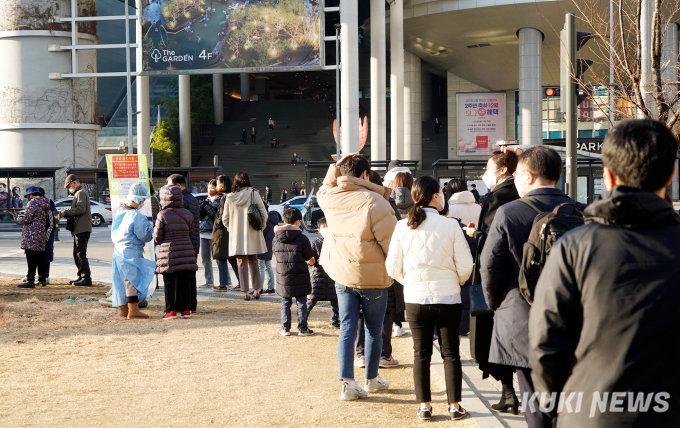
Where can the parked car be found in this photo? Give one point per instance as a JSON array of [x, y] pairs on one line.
[[101, 213], [295, 202]]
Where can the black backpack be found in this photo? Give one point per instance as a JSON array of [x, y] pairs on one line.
[[549, 226]]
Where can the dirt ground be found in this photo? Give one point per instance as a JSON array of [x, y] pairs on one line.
[[79, 365]]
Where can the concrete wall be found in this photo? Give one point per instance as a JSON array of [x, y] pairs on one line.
[[413, 123]]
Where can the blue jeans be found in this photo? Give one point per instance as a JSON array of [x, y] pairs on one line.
[[374, 303], [266, 264], [286, 304], [223, 267]]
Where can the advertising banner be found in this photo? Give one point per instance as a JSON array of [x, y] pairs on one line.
[[124, 171], [200, 36], [481, 123]]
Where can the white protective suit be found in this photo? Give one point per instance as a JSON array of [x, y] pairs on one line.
[[129, 232]]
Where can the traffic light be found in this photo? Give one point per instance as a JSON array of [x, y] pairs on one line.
[[552, 92]]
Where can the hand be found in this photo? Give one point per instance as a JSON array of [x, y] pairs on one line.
[[470, 231], [345, 158], [311, 261], [61, 214], [518, 151]]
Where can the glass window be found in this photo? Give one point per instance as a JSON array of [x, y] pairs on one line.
[[19, 186]]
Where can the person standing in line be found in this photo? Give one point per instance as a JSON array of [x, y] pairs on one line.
[[208, 211], [462, 205], [245, 243], [51, 229], [253, 135], [293, 256], [499, 179], [268, 194], [176, 257], [244, 136], [323, 287], [82, 218], [264, 260], [394, 168], [34, 236], [538, 171], [601, 312], [430, 256], [474, 192], [361, 222], [131, 272], [220, 238], [270, 124], [401, 192], [155, 203]]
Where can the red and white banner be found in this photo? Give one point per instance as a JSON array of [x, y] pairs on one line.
[[481, 123]]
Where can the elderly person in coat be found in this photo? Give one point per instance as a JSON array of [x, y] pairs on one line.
[[176, 256], [245, 243], [360, 222], [34, 236], [131, 272]]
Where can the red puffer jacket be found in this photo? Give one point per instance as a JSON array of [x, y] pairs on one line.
[[173, 232]]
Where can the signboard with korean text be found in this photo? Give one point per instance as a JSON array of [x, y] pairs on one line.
[[481, 123]]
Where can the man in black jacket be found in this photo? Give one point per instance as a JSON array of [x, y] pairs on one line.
[[538, 170], [603, 326]]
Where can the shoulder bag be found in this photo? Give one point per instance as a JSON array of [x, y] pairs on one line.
[[478, 304], [254, 216]]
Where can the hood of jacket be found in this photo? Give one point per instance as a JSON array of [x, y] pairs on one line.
[[630, 207], [389, 175], [273, 218], [242, 197], [464, 197], [353, 183], [287, 233], [402, 197], [171, 197]]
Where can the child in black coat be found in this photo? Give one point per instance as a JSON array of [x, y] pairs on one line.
[[323, 287], [293, 255]]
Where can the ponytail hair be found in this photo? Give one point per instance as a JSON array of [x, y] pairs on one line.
[[422, 193]]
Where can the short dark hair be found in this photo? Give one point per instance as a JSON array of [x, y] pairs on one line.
[[241, 181], [322, 222], [42, 191], [226, 183], [457, 185], [543, 162], [641, 153], [374, 177], [178, 179], [354, 166], [291, 215], [474, 186]]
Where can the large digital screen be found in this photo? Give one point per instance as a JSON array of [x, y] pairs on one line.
[[181, 36]]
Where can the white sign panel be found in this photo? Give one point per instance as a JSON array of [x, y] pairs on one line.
[[481, 123]]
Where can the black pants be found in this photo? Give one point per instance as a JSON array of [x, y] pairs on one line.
[[536, 419], [424, 320], [253, 138], [180, 291], [36, 260], [386, 336], [80, 241], [335, 312]]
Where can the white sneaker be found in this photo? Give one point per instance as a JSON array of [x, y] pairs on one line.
[[352, 391], [398, 331], [205, 286], [376, 384]]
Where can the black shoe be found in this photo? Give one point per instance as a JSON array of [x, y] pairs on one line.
[[42, 284], [508, 402], [335, 324], [457, 414], [305, 332], [27, 284], [85, 282], [143, 304], [74, 281], [424, 414]]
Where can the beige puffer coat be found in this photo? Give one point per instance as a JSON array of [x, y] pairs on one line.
[[243, 239], [360, 225]]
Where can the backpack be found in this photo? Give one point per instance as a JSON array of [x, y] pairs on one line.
[[548, 227]]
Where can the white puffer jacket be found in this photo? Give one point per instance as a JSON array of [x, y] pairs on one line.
[[432, 260], [462, 205]]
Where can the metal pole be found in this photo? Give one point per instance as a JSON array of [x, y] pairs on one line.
[[337, 91], [128, 77], [570, 107], [611, 63]]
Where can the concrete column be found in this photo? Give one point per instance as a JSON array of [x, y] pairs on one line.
[[218, 98], [413, 123], [245, 87], [142, 83], [378, 81], [426, 94], [530, 81], [185, 120], [349, 77], [397, 79]]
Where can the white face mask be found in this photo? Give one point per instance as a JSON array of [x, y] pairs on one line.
[[323, 231], [440, 200], [489, 178], [71, 190]]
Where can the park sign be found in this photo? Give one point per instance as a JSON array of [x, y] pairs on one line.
[[230, 36], [481, 122]]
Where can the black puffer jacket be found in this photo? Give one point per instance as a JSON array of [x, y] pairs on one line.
[[323, 287], [273, 220], [208, 212], [191, 204], [292, 250], [605, 313]]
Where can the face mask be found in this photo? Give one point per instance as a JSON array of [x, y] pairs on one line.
[[323, 231], [440, 201], [489, 178], [212, 192], [71, 191]]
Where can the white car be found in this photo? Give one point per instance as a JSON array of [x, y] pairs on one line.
[[101, 213], [295, 202]]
